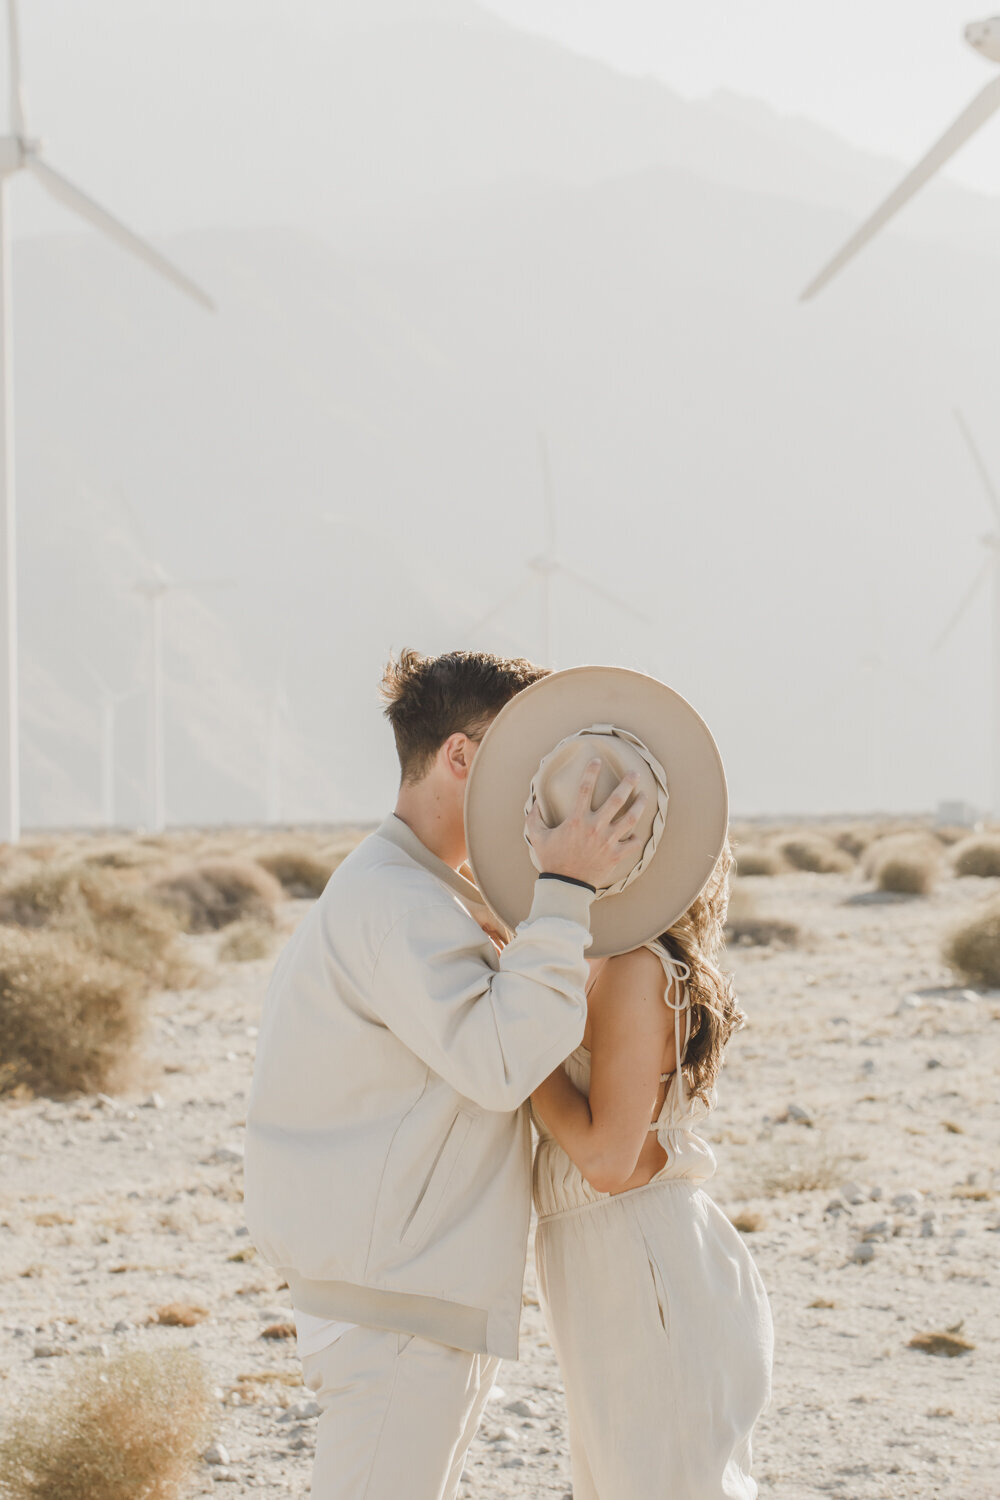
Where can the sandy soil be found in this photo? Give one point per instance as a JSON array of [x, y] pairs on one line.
[[857, 1129]]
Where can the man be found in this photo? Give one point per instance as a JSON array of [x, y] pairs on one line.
[[388, 1154]]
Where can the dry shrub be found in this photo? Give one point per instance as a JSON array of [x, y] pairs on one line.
[[945, 1342], [300, 871], [816, 853], [854, 840], [211, 895], [758, 860], [950, 834], [246, 941], [912, 845], [748, 1221], [180, 1315], [70, 1020], [908, 874], [973, 948], [802, 1168], [746, 926], [978, 856], [130, 1428], [92, 907]]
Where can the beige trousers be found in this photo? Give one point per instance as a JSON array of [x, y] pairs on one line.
[[397, 1415]]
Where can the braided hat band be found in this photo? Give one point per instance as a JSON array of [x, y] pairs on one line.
[[659, 777]]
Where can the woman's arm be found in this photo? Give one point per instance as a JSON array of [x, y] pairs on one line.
[[631, 1045]]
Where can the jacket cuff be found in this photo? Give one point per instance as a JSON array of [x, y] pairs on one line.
[[561, 898]]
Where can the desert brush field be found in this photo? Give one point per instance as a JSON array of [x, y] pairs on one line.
[[145, 1350]]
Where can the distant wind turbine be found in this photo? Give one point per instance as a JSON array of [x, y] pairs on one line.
[[984, 36], [989, 569], [109, 701], [20, 151], [546, 567], [155, 590]]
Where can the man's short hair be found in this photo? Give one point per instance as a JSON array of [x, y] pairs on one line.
[[429, 698]]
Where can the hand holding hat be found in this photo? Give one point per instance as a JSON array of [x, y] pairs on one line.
[[588, 843], [673, 814]]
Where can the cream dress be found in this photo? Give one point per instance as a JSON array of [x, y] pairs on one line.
[[656, 1312]]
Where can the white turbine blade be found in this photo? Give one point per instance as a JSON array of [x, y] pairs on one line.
[[548, 495], [967, 599], [980, 463], [505, 603], [602, 593], [986, 102], [18, 125], [62, 189]]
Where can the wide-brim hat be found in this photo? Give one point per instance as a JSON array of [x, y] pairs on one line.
[[536, 750]]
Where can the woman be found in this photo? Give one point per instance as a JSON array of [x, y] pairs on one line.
[[655, 1308]]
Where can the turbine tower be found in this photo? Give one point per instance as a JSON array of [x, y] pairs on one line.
[[984, 36], [19, 151], [109, 701], [544, 568], [990, 568]]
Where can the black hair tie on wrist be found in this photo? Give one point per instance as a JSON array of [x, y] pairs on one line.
[[569, 879]]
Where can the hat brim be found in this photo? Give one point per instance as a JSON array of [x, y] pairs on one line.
[[528, 727]]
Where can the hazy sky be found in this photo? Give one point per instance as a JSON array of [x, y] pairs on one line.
[[888, 74]]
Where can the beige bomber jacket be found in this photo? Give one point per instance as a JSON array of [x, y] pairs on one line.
[[388, 1147]]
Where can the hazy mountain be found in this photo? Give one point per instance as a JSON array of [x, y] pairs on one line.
[[506, 237]]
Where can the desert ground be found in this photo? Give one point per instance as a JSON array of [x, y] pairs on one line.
[[857, 1135]]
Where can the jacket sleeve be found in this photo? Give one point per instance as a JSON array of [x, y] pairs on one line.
[[492, 1033]]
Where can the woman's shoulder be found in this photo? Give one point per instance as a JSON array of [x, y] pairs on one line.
[[639, 969]]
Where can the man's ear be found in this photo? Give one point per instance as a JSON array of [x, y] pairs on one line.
[[456, 755]]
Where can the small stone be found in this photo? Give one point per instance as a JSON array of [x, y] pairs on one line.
[[241, 1231], [863, 1252], [497, 1394], [799, 1115], [155, 1101], [300, 1412], [122, 1326], [47, 1351], [837, 1206], [517, 1462], [215, 1453], [113, 1135], [907, 1201], [106, 1102], [909, 1002], [227, 1153], [934, 1062], [868, 1066], [928, 1227], [854, 1193], [882, 1230], [523, 1408], [101, 1351], [876, 1195]]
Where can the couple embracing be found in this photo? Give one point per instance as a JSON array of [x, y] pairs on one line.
[[425, 1014]]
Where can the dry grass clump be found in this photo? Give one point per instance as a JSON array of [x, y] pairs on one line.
[[746, 926], [803, 1168], [70, 1019], [950, 834], [816, 853], [854, 840], [130, 1428], [758, 860], [92, 906], [973, 948], [947, 1342], [978, 856], [247, 941], [300, 871], [208, 896], [907, 863], [748, 1221], [180, 1315]]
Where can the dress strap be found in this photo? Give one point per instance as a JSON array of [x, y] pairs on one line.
[[677, 974]]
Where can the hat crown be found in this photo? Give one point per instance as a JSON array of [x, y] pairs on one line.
[[556, 787]]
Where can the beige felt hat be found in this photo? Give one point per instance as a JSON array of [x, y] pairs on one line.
[[536, 750]]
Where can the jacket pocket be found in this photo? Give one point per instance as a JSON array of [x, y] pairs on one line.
[[427, 1207]]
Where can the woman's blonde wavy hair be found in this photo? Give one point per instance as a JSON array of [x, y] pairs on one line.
[[697, 939]]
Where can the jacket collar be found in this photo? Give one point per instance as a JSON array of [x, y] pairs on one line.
[[395, 831]]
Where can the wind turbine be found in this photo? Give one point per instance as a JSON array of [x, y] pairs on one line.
[[109, 701], [989, 568], [546, 567], [20, 151], [984, 36], [276, 720]]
